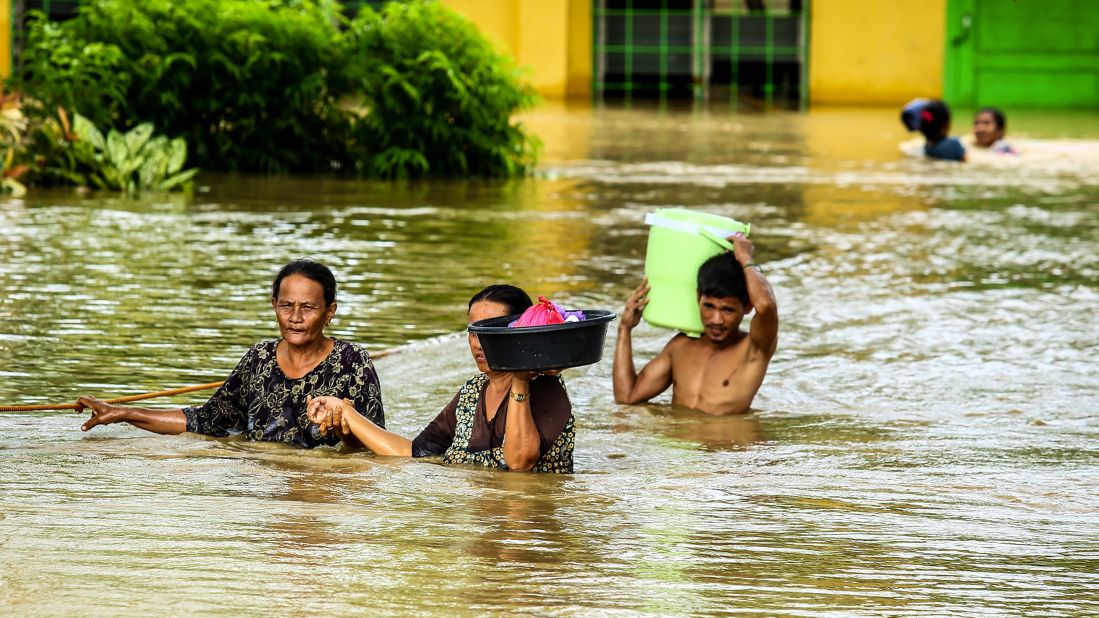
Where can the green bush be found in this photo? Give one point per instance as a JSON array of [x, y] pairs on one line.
[[439, 97], [246, 83], [62, 70], [289, 86]]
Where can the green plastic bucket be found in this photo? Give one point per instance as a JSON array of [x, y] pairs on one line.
[[680, 240]]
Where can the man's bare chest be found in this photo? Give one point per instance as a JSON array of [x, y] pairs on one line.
[[699, 368]]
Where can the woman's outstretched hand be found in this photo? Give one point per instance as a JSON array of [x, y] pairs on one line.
[[102, 413], [327, 412]]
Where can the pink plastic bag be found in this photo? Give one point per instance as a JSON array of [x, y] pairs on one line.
[[540, 313]]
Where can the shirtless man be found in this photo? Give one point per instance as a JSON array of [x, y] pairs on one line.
[[721, 371]]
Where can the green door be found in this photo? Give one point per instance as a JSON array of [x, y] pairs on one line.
[[1022, 53]]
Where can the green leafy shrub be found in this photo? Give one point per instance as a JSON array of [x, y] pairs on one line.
[[439, 97], [277, 86], [69, 72], [248, 84]]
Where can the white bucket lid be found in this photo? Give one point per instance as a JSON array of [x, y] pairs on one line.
[[654, 219]]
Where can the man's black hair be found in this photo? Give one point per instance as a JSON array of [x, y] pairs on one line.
[[515, 299], [933, 120], [721, 277], [311, 269]]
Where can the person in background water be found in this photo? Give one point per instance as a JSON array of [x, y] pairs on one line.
[[265, 396], [934, 123], [989, 128], [509, 421], [721, 371]]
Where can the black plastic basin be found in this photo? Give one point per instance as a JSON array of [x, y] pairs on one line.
[[542, 348]]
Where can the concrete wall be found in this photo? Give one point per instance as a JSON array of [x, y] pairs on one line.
[[875, 51]]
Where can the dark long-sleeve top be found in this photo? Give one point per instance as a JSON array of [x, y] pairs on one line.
[[550, 408], [260, 402]]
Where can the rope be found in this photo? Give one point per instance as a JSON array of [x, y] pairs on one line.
[[129, 398]]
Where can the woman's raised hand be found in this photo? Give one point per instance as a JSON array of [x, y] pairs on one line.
[[102, 413], [527, 376]]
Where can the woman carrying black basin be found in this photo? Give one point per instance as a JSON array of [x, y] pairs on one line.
[[265, 396], [510, 421]]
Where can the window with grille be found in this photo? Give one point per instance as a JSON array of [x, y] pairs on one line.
[[701, 48]]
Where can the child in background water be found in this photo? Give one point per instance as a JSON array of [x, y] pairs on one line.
[[989, 127], [934, 123]]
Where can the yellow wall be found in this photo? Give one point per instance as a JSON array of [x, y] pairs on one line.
[[551, 39], [580, 48], [875, 51], [544, 45], [5, 37], [497, 19]]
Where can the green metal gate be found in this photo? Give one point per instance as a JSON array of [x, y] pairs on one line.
[[735, 49], [1025, 53]]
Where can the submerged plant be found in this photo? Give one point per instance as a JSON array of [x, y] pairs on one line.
[[12, 127], [132, 162], [56, 152]]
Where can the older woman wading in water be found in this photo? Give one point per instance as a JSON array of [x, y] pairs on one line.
[[265, 396]]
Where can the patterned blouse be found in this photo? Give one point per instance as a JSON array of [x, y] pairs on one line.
[[260, 402], [462, 433]]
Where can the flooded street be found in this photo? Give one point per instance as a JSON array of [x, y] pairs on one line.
[[926, 441]]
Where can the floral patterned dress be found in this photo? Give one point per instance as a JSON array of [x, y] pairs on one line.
[[462, 433], [259, 402]]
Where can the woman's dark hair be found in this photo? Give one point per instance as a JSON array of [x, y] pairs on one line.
[[515, 299], [933, 120], [997, 115], [310, 269], [722, 277]]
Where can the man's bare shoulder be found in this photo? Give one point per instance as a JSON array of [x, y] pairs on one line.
[[683, 349], [678, 342]]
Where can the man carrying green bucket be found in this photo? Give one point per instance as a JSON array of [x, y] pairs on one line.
[[721, 370]]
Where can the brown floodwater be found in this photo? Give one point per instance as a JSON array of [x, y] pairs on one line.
[[926, 441]]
